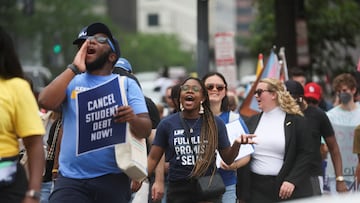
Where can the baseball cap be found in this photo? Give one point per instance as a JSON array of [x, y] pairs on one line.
[[93, 29], [313, 90], [294, 88], [81, 36], [124, 64]]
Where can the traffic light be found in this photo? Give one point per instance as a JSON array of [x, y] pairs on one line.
[[57, 48], [57, 55]]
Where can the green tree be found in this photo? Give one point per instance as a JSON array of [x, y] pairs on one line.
[[57, 23], [149, 52], [262, 31], [333, 33], [333, 27]]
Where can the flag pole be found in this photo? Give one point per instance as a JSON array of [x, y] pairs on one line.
[[284, 64]]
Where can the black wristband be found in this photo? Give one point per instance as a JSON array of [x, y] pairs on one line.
[[74, 69]]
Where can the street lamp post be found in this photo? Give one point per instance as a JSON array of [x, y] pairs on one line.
[[202, 38]]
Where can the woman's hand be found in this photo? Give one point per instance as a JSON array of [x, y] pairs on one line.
[[224, 166], [157, 191], [286, 190], [246, 139]]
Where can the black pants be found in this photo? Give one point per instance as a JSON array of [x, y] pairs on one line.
[[263, 189], [110, 188], [15, 192], [186, 192], [315, 185]]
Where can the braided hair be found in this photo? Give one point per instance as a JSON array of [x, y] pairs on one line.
[[208, 135]]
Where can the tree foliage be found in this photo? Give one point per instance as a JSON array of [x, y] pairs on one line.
[[149, 52], [59, 22], [333, 27], [333, 33], [262, 31]]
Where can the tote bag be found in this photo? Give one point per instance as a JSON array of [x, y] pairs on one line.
[[131, 156]]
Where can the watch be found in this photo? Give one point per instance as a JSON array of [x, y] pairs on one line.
[[33, 194], [340, 178], [74, 69]]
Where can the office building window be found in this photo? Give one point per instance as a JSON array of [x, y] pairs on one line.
[[243, 26], [153, 19]]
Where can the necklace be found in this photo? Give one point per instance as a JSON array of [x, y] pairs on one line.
[[191, 129]]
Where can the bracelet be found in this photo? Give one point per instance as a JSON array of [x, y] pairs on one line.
[[55, 170], [74, 69], [33, 194]]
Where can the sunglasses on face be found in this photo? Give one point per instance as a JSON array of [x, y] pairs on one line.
[[188, 87], [258, 92], [102, 40], [211, 86]]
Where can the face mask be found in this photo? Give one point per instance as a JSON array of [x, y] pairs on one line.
[[344, 97]]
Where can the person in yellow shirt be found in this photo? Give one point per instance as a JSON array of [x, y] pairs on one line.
[[19, 119]]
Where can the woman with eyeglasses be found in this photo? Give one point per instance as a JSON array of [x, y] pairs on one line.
[[278, 169], [216, 86], [192, 136]]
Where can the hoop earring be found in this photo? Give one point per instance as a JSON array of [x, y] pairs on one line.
[[201, 111]]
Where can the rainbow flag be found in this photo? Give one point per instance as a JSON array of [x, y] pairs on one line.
[[249, 106], [272, 70], [260, 65]]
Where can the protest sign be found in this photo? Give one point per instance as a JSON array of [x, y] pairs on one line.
[[95, 124]]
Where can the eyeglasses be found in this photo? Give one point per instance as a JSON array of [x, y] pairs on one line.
[[102, 40], [258, 92], [219, 87], [188, 87]]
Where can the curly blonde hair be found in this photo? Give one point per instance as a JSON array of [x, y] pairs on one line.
[[285, 101]]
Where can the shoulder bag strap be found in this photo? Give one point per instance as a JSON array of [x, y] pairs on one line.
[[122, 90]]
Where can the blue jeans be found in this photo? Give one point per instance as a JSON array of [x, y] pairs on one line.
[[230, 194], [46, 189], [110, 188]]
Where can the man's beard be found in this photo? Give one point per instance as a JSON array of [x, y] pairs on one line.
[[98, 63]]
